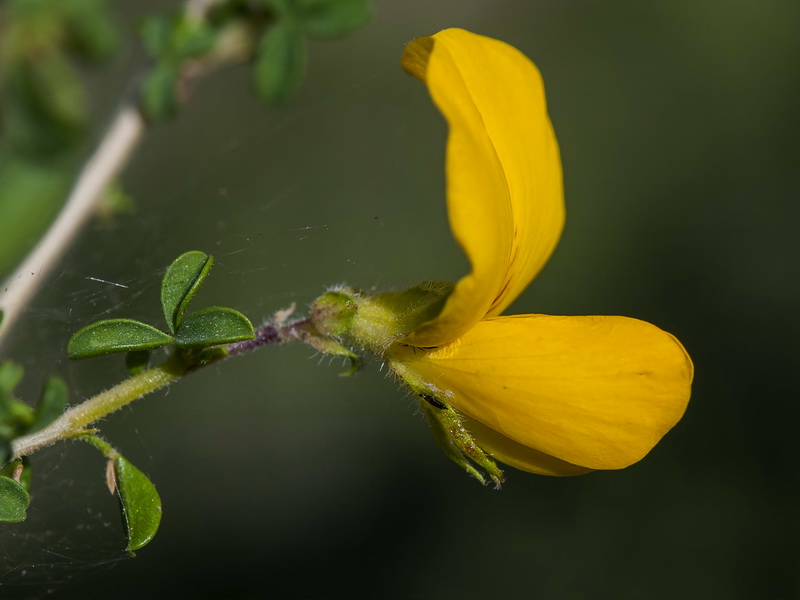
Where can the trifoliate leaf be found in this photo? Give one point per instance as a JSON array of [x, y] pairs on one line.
[[281, 62], [51, 404], [214, 325], [328, 19], [181, 281], [14, 501], [141, 504], [115, 335]]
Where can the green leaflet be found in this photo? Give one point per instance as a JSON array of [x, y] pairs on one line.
[[141, 504], [180, 284], [115, 335], [214, 325], [14, 501]]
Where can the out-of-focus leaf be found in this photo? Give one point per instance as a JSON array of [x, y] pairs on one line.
[[191, 38], [141, 504], [51, 404], [10, 375], [14, 501], [281, 62], [15, 417], [155, 33], [115, 335], [30, 196], [180, 284], [329, 19], [214, 325], [160, 91], [44, 105], [91, 30]]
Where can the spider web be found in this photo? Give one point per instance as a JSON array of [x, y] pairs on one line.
[[74, 526]]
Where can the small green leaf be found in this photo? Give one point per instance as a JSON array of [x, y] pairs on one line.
[[191, 38], [51, 404], [329, 19], [160, 91], [91, 29], [214, 325], [281, 62], [181, 281], [115, 335], [10, 375], [141, 504], [155, 33], [137, 361], [14, 501]]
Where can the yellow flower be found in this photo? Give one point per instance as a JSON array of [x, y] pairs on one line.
[[548, 394]]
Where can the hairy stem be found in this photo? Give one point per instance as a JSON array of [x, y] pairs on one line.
[[74, 422]]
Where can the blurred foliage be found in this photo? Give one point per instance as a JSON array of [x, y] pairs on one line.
[[43, 103], [17, 418], [43, 109]]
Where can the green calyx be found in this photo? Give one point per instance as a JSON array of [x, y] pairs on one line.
[[375, 321], [333, 312]]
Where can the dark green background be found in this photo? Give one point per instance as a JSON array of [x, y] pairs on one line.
[[679, 133]]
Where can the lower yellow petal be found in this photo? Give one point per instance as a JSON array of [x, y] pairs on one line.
[[597, 392], [514, 454]]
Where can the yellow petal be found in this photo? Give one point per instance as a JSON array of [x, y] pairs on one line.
[[514, 454], [504, 189], [596, 392]]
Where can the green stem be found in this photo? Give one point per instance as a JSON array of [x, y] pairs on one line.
[[74, 421]]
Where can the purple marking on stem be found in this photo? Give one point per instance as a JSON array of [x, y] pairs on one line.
[[266, 334]]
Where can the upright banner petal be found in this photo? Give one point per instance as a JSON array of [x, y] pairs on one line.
[[596, 392], [504, 188]]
